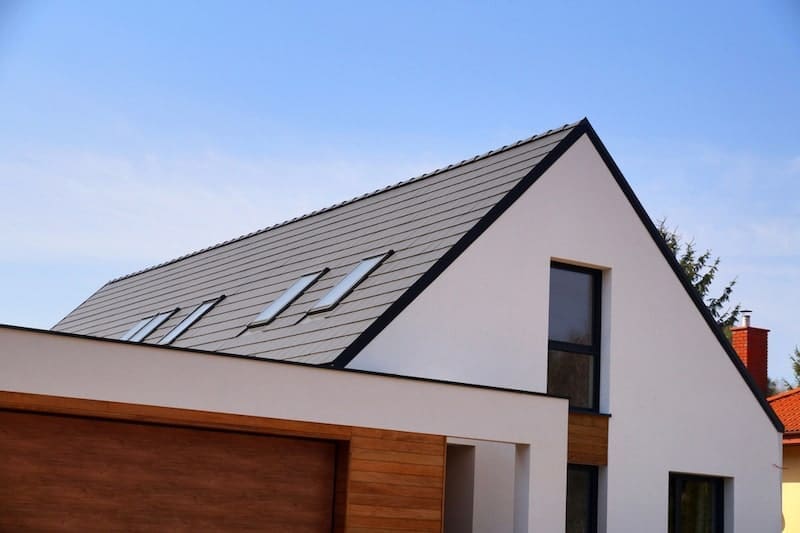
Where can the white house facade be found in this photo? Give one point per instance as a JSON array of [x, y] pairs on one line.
[[503, 345], [677, 404]]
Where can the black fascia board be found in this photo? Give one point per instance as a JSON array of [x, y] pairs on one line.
[[679, 272], [581, 128]]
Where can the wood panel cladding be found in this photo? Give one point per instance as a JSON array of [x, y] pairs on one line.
[[384, 480], [587, 439], [396, 481], [66, 473]]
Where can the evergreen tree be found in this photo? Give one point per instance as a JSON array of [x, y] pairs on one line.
[[701, 268], [795, 359], [773, 388]]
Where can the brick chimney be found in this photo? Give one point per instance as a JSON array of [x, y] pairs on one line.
[[751, 345]]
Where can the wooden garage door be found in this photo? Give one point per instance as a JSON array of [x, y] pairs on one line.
[[78, 474]]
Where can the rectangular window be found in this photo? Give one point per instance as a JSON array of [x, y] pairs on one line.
[[146, 326], [285, 300], [190, 319], [135, 328], [573, 361], [696, 504], [581, 499], [349, 282]]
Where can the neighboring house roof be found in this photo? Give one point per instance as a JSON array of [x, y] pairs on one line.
[[787, 406], [427, 222]]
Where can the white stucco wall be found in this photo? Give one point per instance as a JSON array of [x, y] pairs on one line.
[[676, 400], [492, 489]]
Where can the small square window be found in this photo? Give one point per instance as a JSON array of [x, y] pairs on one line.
[[696, 504]]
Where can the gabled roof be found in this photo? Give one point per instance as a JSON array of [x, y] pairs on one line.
[[787, 406], [420, 220], [427, 222]]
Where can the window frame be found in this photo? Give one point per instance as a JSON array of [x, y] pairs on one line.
[[353, 282], [718, 500], [146, 326], [592, 350], [276, 307], [189, 320], [133, 330]]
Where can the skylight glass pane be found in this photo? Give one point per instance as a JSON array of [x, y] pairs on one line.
[[151, 325], [285, 299], [193, 317], [131, 332], [343, 288]]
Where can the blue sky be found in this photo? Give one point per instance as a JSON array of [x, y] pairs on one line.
[[126, 126]]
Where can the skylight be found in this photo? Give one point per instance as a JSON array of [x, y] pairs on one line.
[[136, 327], [285, 299], [190, 319], [349, 282], [146, 326]]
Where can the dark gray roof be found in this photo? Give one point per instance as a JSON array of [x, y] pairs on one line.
[[420, 219]]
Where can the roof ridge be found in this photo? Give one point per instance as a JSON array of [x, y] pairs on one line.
[[784, 394], [387, 188]]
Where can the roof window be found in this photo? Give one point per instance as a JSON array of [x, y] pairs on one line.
[[286, 299], [136, 327], [146, 326], [190, 319], [349, 282]]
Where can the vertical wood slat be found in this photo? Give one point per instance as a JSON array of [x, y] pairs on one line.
[[340, 486], [396, 481], [587, 439]]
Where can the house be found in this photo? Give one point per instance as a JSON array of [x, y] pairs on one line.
[[787, 407], [504, 344]]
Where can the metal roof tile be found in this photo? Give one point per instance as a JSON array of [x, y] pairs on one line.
[[420, 218]]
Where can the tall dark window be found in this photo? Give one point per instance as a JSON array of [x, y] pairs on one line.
[[581, 499], [696, 504], [573, 362]]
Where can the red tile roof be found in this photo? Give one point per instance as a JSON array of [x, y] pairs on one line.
[[787, 406]]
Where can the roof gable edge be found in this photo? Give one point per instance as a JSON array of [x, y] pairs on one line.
[[405, 299], [678, 270], [583, 126]]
